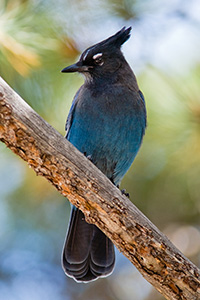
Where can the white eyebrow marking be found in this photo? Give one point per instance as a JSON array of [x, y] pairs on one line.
[[97, 55], [86, 53]]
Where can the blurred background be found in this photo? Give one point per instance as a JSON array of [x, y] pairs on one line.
[[38, 38]]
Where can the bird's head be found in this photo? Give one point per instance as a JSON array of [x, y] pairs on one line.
[[102, 58]]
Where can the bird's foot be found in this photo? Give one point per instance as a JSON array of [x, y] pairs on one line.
[[125, 193], [88, 156]]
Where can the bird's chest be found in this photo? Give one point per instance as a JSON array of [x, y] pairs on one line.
[[101, 112], [102, 122], [109, 129], [106, 110]]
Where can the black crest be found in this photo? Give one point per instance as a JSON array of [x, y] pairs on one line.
[[117, 39], [108, 45]]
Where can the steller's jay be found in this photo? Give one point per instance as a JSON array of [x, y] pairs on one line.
[[106, 122]]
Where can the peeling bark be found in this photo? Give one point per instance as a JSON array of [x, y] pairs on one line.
[[74, 176]]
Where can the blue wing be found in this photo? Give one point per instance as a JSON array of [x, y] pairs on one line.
[[71, 115]]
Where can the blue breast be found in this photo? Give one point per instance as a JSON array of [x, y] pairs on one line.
[[108, 127]]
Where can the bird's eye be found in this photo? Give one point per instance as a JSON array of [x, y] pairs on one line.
[[98, 59]]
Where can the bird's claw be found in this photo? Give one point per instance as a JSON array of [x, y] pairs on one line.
[[88, 156], [125, 193]]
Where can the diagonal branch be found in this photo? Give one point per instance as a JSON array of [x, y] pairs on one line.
[[52, 156]]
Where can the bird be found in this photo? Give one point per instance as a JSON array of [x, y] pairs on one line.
[[106, 122]]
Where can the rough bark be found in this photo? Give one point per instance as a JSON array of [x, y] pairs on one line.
[[52, 156]]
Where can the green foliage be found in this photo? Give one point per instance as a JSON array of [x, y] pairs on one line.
[[32, 54]]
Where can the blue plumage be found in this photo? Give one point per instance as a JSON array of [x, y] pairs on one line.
[[106, 122]]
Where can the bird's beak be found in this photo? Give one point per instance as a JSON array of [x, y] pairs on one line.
[[78, 67]]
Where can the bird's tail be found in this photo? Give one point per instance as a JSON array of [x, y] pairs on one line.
[[88, 253]]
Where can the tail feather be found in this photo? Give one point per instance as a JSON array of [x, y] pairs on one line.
[[88, 253], [78, 233]]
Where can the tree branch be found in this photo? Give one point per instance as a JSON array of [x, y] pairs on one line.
[[53, 157]]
